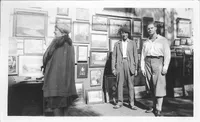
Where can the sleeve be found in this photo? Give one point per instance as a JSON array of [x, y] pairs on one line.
[[167, 54], [143, 57], [135, 54], [114, 53]]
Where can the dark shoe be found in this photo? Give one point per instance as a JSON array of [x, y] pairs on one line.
[[133, 107], [150, 110], [117, 106], [158, 113]]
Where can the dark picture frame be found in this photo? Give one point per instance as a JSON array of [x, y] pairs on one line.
[[138, 42], [137, 26], [94, 96], [82, 70], [183, 28], [96, 77], [99, 23], [98, 58], [12, 65]]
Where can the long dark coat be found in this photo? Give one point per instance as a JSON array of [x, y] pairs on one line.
[[59, 77]]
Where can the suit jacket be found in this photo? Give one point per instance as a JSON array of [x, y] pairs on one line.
[[132, 56]]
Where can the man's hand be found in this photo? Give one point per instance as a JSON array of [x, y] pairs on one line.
[[136, 73], [144, 73], [114, 72], [164, 71]]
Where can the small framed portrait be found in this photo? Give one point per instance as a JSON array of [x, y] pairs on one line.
[[82, 14], [12, 65], [112, 42], [96, 77], [183, 28], [82, 70], [94, 96], [137, 26], [99, 42], [99, 23], [138, 42], [33, 46], [82, 53], [81, 32], [177, 42], [183, 41], [63, 11], [98, 58]]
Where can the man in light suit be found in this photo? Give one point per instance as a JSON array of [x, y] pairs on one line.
[[124, 66]]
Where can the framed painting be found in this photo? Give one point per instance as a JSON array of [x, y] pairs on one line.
[[183, 41], [160, 28], [12, 65], [115, 24], [30, 66], [146, 20], [99, 42], [138, 42], [111, 88], [98, 58], [82, 14], [63, 11], [82, 70], [82, 53], [177, 42], [81, 32], [137, 26], [64, 21], [96, 77], [80, 89], [183, 27], [33, 46], [112, 42], [94, 96], [30, 23], [99, 23]]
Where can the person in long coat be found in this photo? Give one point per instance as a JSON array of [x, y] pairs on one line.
[[59, 62]]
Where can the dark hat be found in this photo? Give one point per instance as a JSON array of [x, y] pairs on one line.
[[124, 29]]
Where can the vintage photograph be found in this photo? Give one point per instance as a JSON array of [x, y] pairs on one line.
[[98, 58], [96, 77], [94, 96], [82, 70], [63, 11], [81, 32], [183, 27], [99, 23], [33, 46], [82, 53], [137, 26], [12, 65], [99, 42]]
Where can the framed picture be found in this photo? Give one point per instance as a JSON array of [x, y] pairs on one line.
[[112, 42], [179, 51], [82, 14], [99, 42], [137, 26], [96, 77], [94, 96], [80, 89], [82, 53], [189, 41], [98, 58], [160, 28], [82, 70], [30, 66], [63, 11], [177, 42], [111, 88], [30, 23], [81, 32], [146, 20], [183, 41], [183, 27], [116, 24], [138, 41], [12, 65], [33, 46], [99, 23], [64, 21]]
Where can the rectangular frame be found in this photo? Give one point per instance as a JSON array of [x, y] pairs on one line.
[[82, 53], [101, 61], [82, 14], [94, 96], [63, 11], [183, 41], [81, 32], [66, 21], [183, 27], [82, 70], [138, 41], [99, 23], [111, 88], [99, 42], [12, 65], [80, 90], [33, 46], [112, 42], [96, 77], [160, 28], [177, 42], [137, 26], [28, 23], [115, 24]]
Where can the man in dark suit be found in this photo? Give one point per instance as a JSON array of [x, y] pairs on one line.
[[124, 65]]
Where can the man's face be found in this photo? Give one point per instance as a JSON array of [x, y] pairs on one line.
[[151, 29], [124, 35]]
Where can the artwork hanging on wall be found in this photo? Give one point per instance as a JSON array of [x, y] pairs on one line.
[[81, 32], [160, 28], [146, 20], [115, 24], [12, 65], [94, 96], [30, 23], [33, 47], [96, 77], [98, 58], [99, 23], [64, 21], [183, 41], [82, 14], [177, 42], [112, 42], [63, 11], [82, 70], [80, 90], [183, 27], [137, 26], [99, 42], [82, 53], [138, 41], [30, 66]]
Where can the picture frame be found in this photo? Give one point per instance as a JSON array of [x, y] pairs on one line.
[[145, 21], [82, 70], [82, 54], [96, 77], [177, 42], [137, 26], [81, 32], [160, 28], [33, 46], [115, 24], [138, 41], [179, 51], [111, 88], [94, 96], [99, 42], [62, 11], [183, 41], [82, 14], [80, 90], [65, 21], [98, 58], [12, 65], [30, 66], [112, 42], [183, 28], [99, 23], [29, 23]]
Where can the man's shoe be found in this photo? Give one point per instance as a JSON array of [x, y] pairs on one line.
[[117, 106], [133, 107], [158, 113], [150, 110]]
